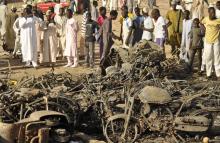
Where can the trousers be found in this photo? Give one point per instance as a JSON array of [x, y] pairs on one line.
[[89, 52], [212, 56]]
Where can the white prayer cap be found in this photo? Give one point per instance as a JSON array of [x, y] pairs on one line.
[[48, 12], [13, 7], [24, 6], [173, 2], [145, 10]]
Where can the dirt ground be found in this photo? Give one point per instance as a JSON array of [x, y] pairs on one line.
[[18, 71]]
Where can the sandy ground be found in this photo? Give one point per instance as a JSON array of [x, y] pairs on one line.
[[18, 71]]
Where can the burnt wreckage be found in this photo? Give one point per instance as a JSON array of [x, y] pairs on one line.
[[135, 102]]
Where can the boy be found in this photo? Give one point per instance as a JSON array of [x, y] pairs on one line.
[[185, 43], [196, 44], [91, 28], [70, 51]]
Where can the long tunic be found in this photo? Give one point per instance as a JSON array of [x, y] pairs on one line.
[[61, 30], [175, 29], [72, 28], [28, 38], [113, 4], [185, 43], [198, 9], [10, 35], [3, 13], [39, 33], [49, 44]]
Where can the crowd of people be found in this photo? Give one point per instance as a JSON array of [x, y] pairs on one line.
[[184, 27]]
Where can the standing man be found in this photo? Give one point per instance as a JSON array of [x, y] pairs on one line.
[[72, 29], [185, 43], [10, 35], [49, 38], [175, 20], [160, 29], [94, 10], [91, 28], [60, 21], [137, 30], [3, 11], [126, 27], [108, 35], [17, 29], [147, 26], [212, 43], [100, 21], [29, 38]]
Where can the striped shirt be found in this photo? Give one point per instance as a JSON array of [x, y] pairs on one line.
[[83, 25]]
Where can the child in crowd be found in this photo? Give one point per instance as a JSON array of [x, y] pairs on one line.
[[91, 28], [196, 44]]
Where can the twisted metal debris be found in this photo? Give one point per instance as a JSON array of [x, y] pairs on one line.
[[136, 102]]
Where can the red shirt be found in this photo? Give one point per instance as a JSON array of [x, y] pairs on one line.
[[100, 20]]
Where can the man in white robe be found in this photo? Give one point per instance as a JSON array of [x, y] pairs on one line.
[[3, 14], [49, 38], [72, 29], [60, 21], [17, 29], [57, 7], [28, 38], [113, 5], [185, 43]]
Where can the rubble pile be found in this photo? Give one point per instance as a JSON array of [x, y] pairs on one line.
[[135, 102]]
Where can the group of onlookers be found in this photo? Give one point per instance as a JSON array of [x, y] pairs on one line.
[[184, 28]]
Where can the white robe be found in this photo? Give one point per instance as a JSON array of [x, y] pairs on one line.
[[113, 5], [72, 29], [185, 43], [17, 40], [50, 41], [28, 39], [198, 10], [61, 30], [3, 14]]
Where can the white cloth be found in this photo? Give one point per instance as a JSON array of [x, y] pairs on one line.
[[28, 39], [159, 31], [61, 30], [113, 5], [94, 13], [179, 7], [72, 28], [185, 43], [104, 3], [3, 14], [198, 10], [188, 4], [49, 44], [212, 55], [217, 13], [148, 24], [16, 28], [57, 8], [127, 23]]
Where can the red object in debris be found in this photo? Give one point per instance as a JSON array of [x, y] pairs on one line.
[[44, 6]]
